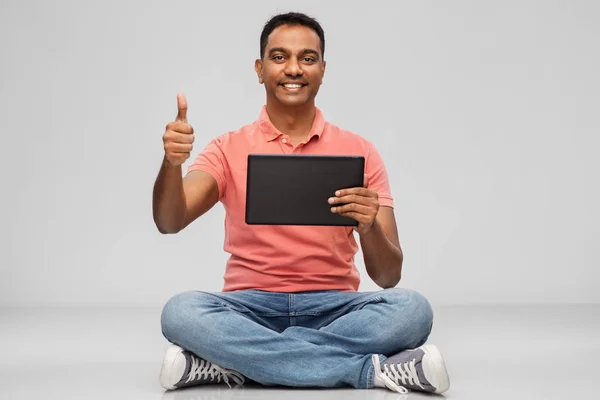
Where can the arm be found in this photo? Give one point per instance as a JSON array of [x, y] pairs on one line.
[[381, 249], [376, 225], [378, 233], [178, 201]]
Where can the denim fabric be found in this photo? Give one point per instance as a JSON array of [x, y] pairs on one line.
[[303, 339]]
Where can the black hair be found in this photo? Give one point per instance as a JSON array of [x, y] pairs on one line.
[[292, 18]]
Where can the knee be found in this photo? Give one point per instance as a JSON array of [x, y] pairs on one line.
[[172, 313], [177, 312], [422, 313], [416, 312]]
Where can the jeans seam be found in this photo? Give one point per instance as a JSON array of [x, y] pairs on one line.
[[370, 377]]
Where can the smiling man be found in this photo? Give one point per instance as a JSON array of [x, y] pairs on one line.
[[290, 312]]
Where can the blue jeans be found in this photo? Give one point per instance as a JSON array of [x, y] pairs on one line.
[[303, 339]]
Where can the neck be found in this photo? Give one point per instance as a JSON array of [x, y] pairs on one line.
[[295, 122]]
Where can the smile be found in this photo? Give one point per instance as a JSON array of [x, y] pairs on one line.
[[292, 87]]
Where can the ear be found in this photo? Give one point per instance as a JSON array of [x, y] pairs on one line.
[[258, 69]]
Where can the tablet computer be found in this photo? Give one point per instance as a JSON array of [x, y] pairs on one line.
[[294, 189]]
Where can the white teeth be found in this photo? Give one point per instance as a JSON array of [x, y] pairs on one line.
[[292, 85]]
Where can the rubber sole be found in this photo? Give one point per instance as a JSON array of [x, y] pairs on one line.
[[436, 363], [167, 368]]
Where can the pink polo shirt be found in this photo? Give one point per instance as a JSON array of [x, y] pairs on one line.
[[282, 258]]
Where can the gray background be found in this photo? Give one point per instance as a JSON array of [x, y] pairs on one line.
[[485, 113]]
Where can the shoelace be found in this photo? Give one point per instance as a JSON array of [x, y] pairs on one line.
[[396, 373], [202, 369]]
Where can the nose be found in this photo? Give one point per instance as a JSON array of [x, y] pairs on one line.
[[293, 67]]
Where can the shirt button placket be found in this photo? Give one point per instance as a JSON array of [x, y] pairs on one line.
[[286, 146]]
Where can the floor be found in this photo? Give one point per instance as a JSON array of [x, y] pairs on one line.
[[516, 352]]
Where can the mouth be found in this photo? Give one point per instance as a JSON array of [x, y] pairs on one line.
[[292, 87]]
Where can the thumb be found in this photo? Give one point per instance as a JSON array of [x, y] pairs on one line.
[[366, 181], [181, 108]]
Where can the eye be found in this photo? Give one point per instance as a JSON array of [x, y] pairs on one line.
[[278, 58], [309, 59]]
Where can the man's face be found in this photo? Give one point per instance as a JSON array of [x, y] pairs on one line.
[[292, 68]]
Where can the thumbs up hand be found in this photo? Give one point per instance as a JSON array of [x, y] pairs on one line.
[[179, 135]]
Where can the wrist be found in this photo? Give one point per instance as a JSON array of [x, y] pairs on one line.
[[370, 230], [167, 164]]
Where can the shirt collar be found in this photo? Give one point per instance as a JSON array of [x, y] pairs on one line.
[[272, 133]]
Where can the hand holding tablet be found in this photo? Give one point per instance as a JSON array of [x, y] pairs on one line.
[[360, 204]]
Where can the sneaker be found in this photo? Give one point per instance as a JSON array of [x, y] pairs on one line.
[[182, 368], [421, 369]]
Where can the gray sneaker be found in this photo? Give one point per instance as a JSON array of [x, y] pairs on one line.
[[182, 368], [421, 369]]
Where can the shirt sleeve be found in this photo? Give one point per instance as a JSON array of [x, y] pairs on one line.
[[212, 160], [377, 177]]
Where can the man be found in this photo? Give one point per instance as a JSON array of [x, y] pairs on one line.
[[289, 313]]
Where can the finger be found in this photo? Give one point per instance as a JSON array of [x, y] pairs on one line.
[[354, 190], [182, 138], [181, 108], [360, 218], [180, 127], [179, 147], [351, 198], [357, 191], [182, 157], [171, 136], [366, 181], [352, 207]]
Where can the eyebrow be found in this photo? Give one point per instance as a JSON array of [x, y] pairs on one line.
[[303, 51]]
